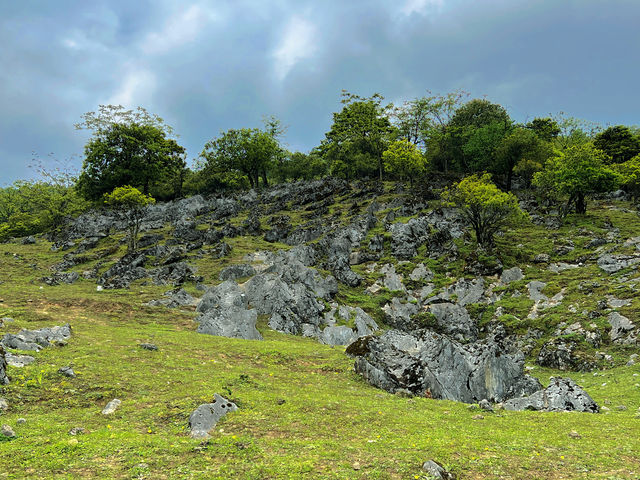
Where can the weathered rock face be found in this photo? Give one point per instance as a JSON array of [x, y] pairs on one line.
[[560, 354], [128, 269], [4, 379], [37, 339], [334, 334], [427, 363], [224, 312], [233, 272], [615, 263], [622, 330], [207, 415], [562, 394], [454, 320], [175, 299], [511, 275]]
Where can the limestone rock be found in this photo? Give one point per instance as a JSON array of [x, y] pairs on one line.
[[37, 339], [511, 275], [562, 394], [111, 407], [427, 363], [621, 329], [207, 415], [233, 272]]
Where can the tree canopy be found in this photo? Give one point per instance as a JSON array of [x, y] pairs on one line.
[[129, 148], [618, 142], [577, 172], [484, 206], [358, 136], [129, 203]]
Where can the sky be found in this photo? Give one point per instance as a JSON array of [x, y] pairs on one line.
[[208, 66]]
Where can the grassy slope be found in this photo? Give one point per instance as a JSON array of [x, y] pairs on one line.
[[331, 424]]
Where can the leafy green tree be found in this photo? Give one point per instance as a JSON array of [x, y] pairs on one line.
[[629, 175], [249, 151], [484, 206], [474, 128], [480, 145], [30, 207], [358, 136], [618, 143], [128, 148], [403, 158], [129, 203], [574, 131], [521, 145], [546, 128], [577, 172]]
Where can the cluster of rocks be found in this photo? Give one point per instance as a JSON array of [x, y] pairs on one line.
[[37, 339], [290, 293]]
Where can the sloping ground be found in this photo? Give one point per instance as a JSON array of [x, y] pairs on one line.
[[303, 412]]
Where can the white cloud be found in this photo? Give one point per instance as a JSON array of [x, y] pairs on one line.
[[421, 7], [297, 43], [136, 89], [179, 29]]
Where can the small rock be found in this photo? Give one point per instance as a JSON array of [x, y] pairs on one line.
[[574, 434], [356, 466], [605, 409], [111, 407], [77, 431], [4, 405], [621, 407], [541, 258], [67, 372], [281, 401], [148, 346], [7, 431], [485, 405], [21, 421], [436, 470], [477, 417]]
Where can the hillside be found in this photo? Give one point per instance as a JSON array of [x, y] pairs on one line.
[[306, 271]]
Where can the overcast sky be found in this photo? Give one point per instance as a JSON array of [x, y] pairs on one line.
[[207, 66]]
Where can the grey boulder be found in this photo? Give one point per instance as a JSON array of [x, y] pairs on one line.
[[429, 364], [207, 415], [562, 394]]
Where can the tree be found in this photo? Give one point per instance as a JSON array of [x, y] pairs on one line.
[[521, 145], [629, 175], [484, 206], [404, 159], [128, 202], [577, 173], [358, 136], [474, 129], [618, 143], [546, 128], [128, 148], [250, 151], [574, 131]]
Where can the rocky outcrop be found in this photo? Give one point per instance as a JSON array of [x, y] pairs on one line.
[[224, 312], [561, 354], [334, 334], [433, 365], [207, 415], [615, 263], [562, 394], [37, 339], [622, 330]]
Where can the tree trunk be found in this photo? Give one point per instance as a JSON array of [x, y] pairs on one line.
[[581, 204], [264, 178]]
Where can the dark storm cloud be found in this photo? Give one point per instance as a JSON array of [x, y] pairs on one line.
[[210, 66]]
